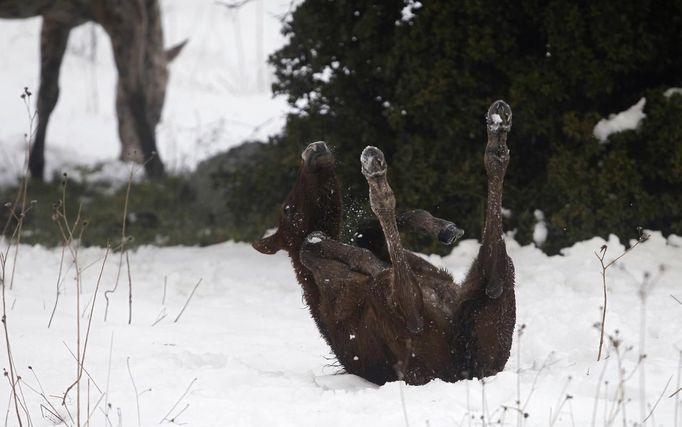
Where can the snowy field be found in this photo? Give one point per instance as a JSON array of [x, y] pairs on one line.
[[246, 353], [244, 350]]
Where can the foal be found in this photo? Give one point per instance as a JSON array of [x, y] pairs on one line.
[[387, 313]]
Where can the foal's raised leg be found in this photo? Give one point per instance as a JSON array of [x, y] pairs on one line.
[[493, 268], [318, 247], [404, 291], [345, 275], [370, 235], [53, 38]]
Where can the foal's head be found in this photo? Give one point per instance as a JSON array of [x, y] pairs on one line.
[[313, 204]]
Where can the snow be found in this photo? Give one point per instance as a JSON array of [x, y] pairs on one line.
[[540, 228], [258, 359], [625, 120], [672, 91], [220, 335], [218, 93], [408, 12]]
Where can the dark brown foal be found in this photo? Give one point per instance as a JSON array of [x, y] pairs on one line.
[[387, 313]]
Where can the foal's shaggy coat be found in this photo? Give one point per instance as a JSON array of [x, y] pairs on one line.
[[387, 313]]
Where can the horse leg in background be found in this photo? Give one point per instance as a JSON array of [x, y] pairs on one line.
[[54, 36], [126, 24]]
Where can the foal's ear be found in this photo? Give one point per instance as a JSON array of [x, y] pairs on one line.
[[174, 51], [268, 245]]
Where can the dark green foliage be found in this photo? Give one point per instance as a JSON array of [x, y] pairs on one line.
[[359, 76], [241, 190], [162, 212]]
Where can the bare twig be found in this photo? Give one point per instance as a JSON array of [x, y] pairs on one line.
[[80, 357], [106, 401], [174, 419], [188, 300], [11, 375], [676, 394], [165, 285], [162, 315], [41, 393], [605, 266], [519, 416], [563, 398], [137, 395], [124, 239], [657, 400], [673, 297], [596, 394], [59, 277], [165, 418], [130, 291]]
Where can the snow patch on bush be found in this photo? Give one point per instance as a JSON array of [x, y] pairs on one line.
[[625, 120]]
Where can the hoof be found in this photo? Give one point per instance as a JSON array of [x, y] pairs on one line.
[[311, 245], [317, 154], [450, 234], [499, 117], [373, 162], [315, 237]]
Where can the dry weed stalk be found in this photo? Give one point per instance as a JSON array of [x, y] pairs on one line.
[[563, 398], [605, 266], [676, 394], [188, 300], [15, 241], [165, 418], [72, 233], [137, 394], [125, 239], [124, 252]]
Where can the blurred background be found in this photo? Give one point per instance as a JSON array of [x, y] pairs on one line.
[[596, 144]]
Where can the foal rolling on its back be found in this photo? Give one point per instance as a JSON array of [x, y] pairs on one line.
[[134, 27], [387, 313]]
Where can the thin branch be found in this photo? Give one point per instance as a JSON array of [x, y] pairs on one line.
[[59, 276], [130, 291], [137, 395], [658, 400], [178, 401], [187, 302], [643, 237]]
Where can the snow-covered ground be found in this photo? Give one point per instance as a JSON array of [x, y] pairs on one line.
[[245, 352], [218, 92], [251, 355]]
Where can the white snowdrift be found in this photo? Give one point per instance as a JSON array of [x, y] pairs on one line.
[[258, 359], [625, 120]]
